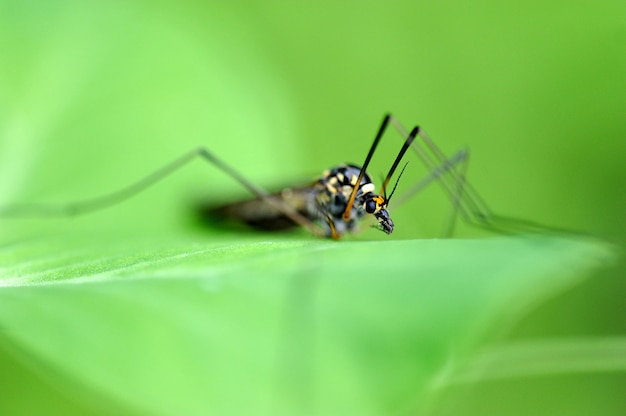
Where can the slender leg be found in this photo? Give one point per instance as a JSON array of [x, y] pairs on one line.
[[94, 204], [450, 174], [456, 197], [333, 230]]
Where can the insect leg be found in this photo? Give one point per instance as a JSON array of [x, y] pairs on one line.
[[456, 197], [333, 230], [277, 203], [450, 174], [113, 198], [94, 204]]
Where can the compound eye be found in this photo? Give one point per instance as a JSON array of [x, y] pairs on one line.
[[370, 206]]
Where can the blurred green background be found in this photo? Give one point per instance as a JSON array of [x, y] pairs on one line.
[[94, 95]]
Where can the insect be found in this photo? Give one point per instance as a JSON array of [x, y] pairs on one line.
[[330, 206], [338, 200]]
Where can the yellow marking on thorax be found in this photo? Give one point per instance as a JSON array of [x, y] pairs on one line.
[[353, 180], [367, 188], [347, 190]]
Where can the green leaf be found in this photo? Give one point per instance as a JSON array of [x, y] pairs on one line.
[[129, 311], [188, 324], [541, 357]]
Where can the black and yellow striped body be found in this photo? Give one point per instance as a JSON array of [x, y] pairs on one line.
[[323, 201], [333, 192]]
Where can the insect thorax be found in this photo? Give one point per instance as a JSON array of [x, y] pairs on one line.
[[334, 190]]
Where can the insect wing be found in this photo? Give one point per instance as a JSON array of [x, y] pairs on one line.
[[260, 214]]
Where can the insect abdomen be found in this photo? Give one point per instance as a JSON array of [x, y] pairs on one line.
[[259, 213]]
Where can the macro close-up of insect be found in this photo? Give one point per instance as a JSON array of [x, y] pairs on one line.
[[330, 206], [311, 208]]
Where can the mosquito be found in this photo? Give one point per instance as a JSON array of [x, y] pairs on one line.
[[328, 207]]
